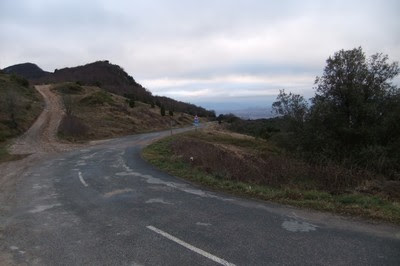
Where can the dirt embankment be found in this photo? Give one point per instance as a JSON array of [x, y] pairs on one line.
[[42, 136]]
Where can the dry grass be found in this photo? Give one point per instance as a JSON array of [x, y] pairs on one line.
[[107, 115], [252, 167], [241, 158]]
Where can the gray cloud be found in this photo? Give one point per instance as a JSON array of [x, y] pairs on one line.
[[185, 48]]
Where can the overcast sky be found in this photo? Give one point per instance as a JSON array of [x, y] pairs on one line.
[[224, 54]]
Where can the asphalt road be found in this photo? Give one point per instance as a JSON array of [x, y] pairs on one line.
[[104, 205]]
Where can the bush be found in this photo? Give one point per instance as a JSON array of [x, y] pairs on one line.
[[131, 103], [98, 98], [69, 88], [72, 126], [20, 80]]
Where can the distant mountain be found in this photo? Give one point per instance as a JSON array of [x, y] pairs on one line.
[[114, 79], [26, 70]]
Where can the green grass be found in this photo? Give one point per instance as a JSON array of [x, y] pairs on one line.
[[69, 88], [159, 154], [98, 98]]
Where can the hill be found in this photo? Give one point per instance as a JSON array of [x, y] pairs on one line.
[[26, 70], [114, 79], [93, 113]]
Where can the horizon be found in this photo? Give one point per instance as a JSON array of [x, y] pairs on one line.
[[219, 55]]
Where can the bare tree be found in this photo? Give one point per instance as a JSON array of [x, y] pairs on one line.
[[68, 104]]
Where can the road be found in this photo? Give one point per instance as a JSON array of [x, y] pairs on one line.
[[103, 205]]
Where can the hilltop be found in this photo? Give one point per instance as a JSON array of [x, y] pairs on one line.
[[26, 70], [94, 101], [111, 78]]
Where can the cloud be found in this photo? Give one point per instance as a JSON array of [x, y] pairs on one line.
[[199, 49]]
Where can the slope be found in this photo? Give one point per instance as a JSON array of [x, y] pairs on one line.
[[114, 79], [26, 70], [20, 105], [94, 113]]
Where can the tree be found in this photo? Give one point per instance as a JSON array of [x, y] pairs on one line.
[[68, 104], [162, 110], [171, 113], [291, 106], [352, 98]]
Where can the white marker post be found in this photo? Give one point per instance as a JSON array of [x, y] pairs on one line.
[[196, 121]]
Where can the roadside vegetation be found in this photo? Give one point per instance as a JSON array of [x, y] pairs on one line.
[[256, 168], [20, 105], [93, 113], [339, 152]]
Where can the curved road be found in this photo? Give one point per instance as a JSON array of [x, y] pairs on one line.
[[103, 205]]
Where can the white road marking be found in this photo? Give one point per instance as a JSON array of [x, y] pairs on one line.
[[89, 156], [203, 224], [298, 226], [41, 208], [188, 246], [82, 180], [159, 201]]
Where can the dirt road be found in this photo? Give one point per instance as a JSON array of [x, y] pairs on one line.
[[42, 136]]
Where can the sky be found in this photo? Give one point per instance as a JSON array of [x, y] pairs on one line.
[[221, 54]]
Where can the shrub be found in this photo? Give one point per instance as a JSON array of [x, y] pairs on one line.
[[98, 98], [69, 88], [131, 103], [20, 80], [72, 126]]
